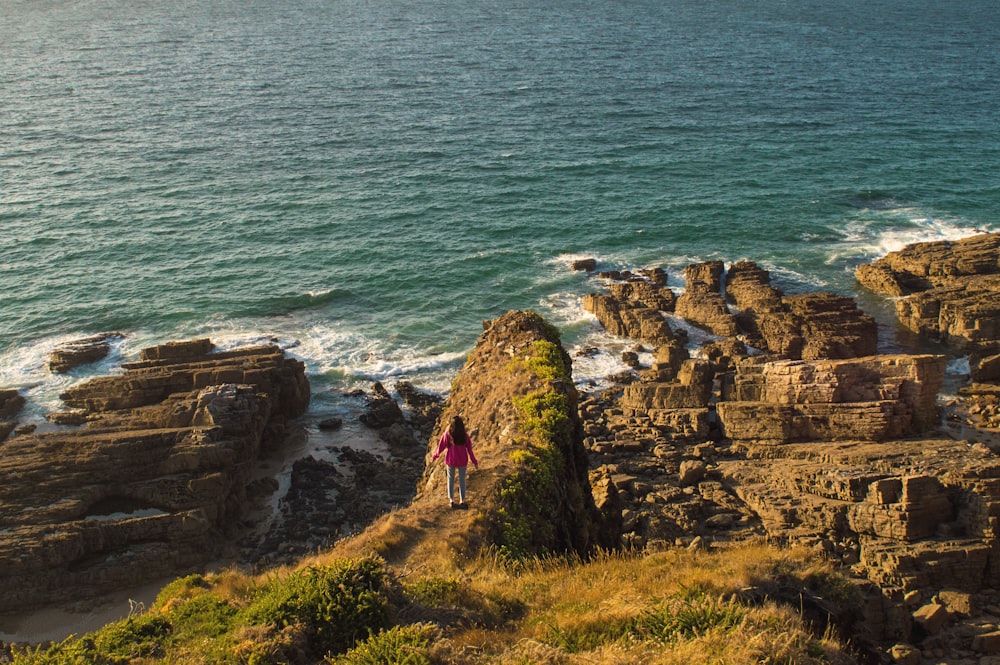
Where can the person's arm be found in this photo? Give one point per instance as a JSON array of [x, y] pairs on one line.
[[472, 455], [442, 445]]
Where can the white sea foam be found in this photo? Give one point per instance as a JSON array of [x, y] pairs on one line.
[[26, 369], [958, 366], [335, 356], [334, 350], [597, 355], [787, 278], [875, 233]]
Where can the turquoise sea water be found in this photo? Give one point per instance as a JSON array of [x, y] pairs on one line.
[[366, 182]]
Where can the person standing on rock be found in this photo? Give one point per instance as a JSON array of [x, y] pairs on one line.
[[456, 444]]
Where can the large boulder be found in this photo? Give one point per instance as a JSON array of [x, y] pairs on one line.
[[702, 301], [627, 318]]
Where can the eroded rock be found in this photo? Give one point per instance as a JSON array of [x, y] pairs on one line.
[[82, 351], [143, 490]]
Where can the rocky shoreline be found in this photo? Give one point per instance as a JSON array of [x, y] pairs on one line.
[[787, 426], [784, 425]]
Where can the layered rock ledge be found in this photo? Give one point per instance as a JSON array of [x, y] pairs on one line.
[[146, 486]]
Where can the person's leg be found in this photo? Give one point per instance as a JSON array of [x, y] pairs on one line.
[[451, 483], [461, 484]]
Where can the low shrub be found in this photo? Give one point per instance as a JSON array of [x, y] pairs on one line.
[[401, 645], [117, 643], [337, 603]]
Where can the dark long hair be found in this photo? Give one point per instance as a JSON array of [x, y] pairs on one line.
[[457, 429]]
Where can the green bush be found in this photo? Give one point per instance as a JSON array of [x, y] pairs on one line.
[[205, 616], [116, 644], [434, 591], [181, 589], [589, 636], [548, 362], [337, 603], [401, 645]]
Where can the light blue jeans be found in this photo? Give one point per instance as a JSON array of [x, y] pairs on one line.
[[452, 472]]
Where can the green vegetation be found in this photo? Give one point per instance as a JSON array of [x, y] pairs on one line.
[[547, 361], [528, 494], [400, 645], [314, 610], [336, 603]]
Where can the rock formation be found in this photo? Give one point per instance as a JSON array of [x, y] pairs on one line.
[[530, 494], [517, 373], [143, 489], [815, 439], [11, 403], [869, 399], [948, 290], [81, 351]]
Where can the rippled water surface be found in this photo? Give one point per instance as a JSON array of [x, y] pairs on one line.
[[365, 182]]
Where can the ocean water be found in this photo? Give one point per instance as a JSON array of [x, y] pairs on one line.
[[366, 182]]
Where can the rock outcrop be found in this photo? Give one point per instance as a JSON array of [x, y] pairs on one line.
[[11, 402], [868, 399], [947, 290], [703, 303], [145, 487], [815, 439], [531, 493], [518, 401], [71, 355]]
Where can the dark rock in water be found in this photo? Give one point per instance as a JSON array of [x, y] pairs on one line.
[[328, 500], [11, 403], [144, 490], [383, 410], [81, 351], [589, 265], [424, 407], [331, 424]]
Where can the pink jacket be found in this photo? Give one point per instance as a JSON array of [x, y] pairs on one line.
[[455, 455]]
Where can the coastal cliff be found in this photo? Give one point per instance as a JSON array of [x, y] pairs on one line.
[[531, 494]]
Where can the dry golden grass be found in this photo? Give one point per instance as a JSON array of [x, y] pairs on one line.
[[593, 612]]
